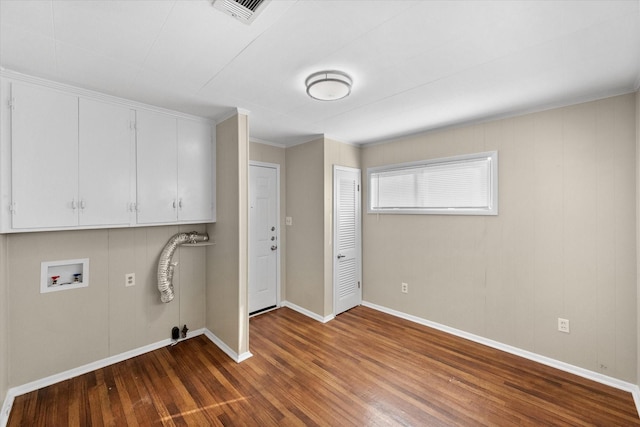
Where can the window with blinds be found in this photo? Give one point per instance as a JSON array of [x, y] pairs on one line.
[[460, 185]]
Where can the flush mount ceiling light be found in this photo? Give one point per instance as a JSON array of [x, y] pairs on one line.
[[328, 85]]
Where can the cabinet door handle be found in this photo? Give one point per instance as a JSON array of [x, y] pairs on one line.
[[174, 204], [82, 204], [74, 204], [180, 203]]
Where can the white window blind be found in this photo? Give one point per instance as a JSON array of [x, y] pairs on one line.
[[455, 185]]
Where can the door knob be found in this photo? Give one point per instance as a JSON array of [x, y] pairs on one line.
[[274, 247], [273, 229]]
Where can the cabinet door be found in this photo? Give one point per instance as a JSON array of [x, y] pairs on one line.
[[195, 171], [44, 158], [157, 168], [105, 163]]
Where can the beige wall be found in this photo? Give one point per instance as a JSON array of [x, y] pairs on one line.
[[226, 307], [49, 333], [53, 332], [563, 244], [305, 279], [276, 155], [340, 154], [638, 228], [4, 365], [310, 204]]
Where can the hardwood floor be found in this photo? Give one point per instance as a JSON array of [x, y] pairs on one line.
[[364, 368]]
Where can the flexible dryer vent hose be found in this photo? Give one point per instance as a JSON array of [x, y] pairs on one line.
[[165, 266]]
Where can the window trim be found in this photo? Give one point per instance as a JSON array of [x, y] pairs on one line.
[[493, 186]]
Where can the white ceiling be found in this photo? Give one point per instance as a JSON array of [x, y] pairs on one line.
[[416, 65]]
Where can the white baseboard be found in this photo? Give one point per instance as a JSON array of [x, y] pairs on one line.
[[13, 392], [6, 409], [307, 313], [226, 349], [585, 373]]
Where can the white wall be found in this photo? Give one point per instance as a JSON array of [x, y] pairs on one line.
[[563, 244]]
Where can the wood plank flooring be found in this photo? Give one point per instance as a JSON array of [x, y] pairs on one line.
[[364, 368]]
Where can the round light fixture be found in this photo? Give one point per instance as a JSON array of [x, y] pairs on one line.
[[328, 85]]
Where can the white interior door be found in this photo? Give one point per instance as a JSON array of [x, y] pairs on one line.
[[347, 266], [263, 237]]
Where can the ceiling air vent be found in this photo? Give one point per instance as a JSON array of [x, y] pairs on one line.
[[243, 10]]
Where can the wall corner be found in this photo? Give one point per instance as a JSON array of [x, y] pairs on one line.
[[226, 289]]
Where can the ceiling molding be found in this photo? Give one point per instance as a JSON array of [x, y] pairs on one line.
[[492, 118], [263, 142], [353, 144], [234, 111], [14, 76], [304, 141]]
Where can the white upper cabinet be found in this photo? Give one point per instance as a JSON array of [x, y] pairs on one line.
[[195, 171], [106, 163], [73, 159], [157, 175], [44, 158], [175, 169]]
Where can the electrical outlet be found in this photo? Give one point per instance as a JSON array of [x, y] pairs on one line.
[[130, 279], [288, 220], [563, 325], [405, 288]]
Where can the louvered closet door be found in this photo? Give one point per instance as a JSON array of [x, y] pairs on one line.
[[347, 253]]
